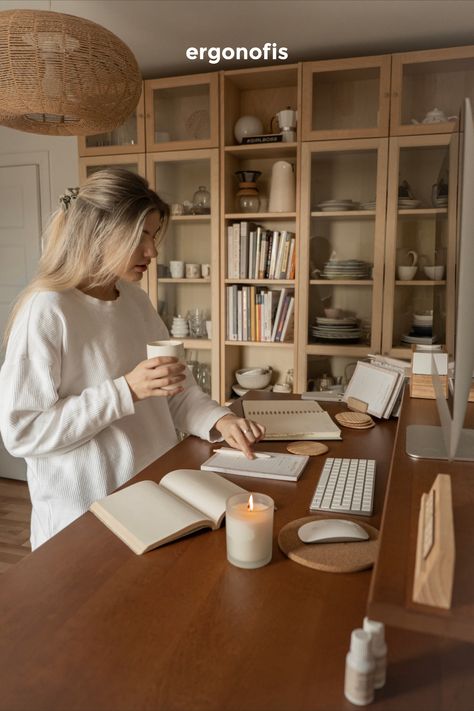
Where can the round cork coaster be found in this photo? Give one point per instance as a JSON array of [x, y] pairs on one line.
[[347, 557], [311, 448], [355, 420]]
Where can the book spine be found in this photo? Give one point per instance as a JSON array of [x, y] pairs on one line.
[[275, 243], [284, 258], [280, 255], [243, 249], [263, 255], [278, 312], [286, 329], [235, 250], [289, 263], [281, 318], [258, 249], [253, 330], [292, 269]]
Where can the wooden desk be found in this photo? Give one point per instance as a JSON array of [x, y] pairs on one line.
[[390, 597], [87, 625]]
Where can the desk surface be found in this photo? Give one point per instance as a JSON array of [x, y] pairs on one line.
[[88, 625]]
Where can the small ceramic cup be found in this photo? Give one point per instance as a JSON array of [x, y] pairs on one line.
[[434, 272], [209, 329], [206, 270], [193, 271], [177, 208], [175, 349], [177, 269], [406, 273]]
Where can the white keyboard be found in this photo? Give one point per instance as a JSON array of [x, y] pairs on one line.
[[345, 486]]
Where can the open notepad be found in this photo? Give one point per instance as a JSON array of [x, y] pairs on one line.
[[266, 465], [146, 515], [291, 419]]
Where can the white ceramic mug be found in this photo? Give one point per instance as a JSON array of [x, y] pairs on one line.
[[193, 271], [406, 273], [177, 269], [177, 208], [175, 349], [206, 270]]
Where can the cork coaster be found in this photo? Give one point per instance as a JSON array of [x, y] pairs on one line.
[[355, 420], [311, 448], [347, 557]]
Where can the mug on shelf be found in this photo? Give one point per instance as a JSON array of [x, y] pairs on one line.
[[206, 270], [177, 269], [406, 273], [193, 271]]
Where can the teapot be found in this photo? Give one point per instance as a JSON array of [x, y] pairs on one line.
[[435, 116]]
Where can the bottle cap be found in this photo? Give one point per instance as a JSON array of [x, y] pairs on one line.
[[360, 644], [376, 631]]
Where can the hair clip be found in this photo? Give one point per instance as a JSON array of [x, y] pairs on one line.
[[70, 194]]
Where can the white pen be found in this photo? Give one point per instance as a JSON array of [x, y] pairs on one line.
[[229, 450]]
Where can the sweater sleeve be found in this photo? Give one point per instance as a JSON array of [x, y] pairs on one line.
[[35, 422], [194, 412]]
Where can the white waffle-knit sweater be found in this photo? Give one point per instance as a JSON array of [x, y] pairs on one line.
[[66, 408]]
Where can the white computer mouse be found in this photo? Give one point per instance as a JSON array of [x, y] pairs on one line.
[[331, 530]]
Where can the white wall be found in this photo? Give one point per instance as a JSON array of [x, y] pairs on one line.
[[60, 150]]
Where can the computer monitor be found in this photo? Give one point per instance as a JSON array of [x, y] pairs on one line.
[[451, 441]]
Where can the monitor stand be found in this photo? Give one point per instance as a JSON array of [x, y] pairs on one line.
[[427, 442]]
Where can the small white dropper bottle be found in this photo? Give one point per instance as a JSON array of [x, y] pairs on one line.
[[379, 650], [360, 669]]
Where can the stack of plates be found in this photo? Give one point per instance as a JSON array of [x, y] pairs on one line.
[[345, 330], [441, 201], [408, 203], [346, 269], [368, 205], [337, 205], [421, 330]]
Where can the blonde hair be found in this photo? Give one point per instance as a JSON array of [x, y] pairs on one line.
[[93, 235]]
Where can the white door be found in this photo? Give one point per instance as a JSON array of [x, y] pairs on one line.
[[20, 246]]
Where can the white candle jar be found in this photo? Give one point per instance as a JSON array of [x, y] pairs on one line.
[[249, 530]]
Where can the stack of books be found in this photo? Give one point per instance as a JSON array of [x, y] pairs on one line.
[[259, 314], [256, 253]]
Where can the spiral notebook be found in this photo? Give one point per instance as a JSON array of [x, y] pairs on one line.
[[291, 419]]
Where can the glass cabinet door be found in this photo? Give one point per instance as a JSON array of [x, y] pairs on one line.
[[346, 98], [134, 163], [421, 242], [183, 283], [127, 138], [428, 88], [341, 265], [182, 112]]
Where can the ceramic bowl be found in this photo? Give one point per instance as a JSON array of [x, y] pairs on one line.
[[332, 313], [253, 378], [434, 272]]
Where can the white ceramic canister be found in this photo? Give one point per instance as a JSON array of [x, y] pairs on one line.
[[282, 188]]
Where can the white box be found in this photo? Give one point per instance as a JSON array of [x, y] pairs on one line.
[[422, 363]]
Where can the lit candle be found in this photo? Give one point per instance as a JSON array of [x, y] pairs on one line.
[[249, 530]]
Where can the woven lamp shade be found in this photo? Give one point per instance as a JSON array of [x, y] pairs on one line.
[[63, 75]]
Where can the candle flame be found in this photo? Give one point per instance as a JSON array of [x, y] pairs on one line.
[[250, 504]]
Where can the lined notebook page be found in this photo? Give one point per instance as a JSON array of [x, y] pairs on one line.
[[372, 385], [292, 419]]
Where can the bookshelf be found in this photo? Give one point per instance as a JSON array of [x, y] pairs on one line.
[[360, 130]]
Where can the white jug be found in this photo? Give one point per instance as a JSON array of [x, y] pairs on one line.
[[282, 188]]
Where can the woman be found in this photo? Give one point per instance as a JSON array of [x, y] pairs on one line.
[[79, 400]]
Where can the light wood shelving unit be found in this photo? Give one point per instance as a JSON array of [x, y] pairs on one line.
[[355, 139]]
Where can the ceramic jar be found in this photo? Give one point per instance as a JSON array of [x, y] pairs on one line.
[[282, 188]]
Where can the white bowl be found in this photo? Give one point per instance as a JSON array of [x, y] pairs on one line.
[[435, 272], [253, 378]]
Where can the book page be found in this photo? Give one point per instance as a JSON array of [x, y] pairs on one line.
[[205, 491], [145, 515]]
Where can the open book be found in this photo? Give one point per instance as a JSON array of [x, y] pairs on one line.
[[146, 515], [291, 419], [266, 465]]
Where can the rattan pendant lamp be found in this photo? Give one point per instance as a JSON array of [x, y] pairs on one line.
[[63, 75]]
